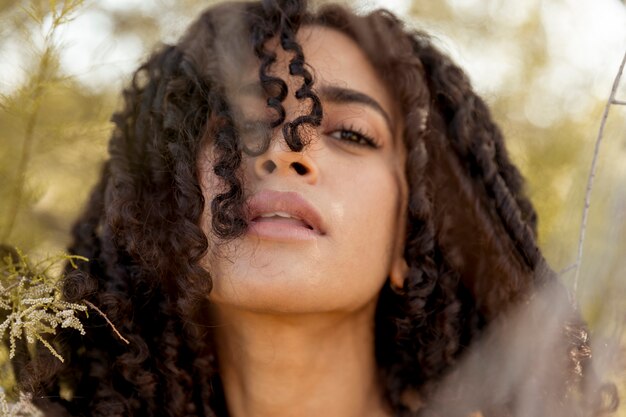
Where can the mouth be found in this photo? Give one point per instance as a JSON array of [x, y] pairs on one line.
[[277, 215], [283, 218]]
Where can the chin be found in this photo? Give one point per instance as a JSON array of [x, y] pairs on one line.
[[291, 294], [284, 279]]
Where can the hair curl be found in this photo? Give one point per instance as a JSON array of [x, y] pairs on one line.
[[470, 240]]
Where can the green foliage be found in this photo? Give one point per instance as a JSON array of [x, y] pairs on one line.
[[30, 301]]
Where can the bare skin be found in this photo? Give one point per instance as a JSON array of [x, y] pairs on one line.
[[294, 317], [309, 366]]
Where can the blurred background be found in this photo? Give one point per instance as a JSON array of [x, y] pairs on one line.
[[546, 67]]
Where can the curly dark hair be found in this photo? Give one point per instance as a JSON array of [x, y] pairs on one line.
[[470, 245]]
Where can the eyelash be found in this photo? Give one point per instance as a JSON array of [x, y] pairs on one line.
[[362, 138]]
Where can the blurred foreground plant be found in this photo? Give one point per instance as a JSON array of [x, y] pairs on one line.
[[26, 103], [22, 408]]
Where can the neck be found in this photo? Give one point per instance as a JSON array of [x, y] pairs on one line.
[[303, 365]]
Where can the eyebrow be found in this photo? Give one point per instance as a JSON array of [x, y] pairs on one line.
[[337, 94], [334, 94]]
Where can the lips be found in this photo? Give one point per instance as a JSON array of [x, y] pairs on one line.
[[283, 215]]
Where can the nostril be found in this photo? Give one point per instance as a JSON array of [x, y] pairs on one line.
[[299, 168], [269, 166]]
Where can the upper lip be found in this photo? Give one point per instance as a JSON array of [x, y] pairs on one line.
[[292, 203]]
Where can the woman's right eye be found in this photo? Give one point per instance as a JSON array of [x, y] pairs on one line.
[[354, 136]]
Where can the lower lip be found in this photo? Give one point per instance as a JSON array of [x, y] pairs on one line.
[[281, 231]]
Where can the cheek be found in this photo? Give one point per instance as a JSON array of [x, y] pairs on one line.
[[370, 225], [371, 199]]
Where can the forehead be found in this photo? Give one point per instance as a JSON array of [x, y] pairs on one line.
[[336, 59]]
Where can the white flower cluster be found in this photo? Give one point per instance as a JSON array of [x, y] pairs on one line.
[[30, 303], [22, 408]]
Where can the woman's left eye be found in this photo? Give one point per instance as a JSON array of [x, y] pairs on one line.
[[354, 136]]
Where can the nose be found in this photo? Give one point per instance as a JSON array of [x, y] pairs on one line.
[[279, 160]]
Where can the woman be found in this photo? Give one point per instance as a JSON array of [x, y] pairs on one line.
[[307, 214]]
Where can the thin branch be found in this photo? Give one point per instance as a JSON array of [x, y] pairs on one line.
[[25, 155], [566, 269], [29, 133], [619, 102], [10, 287], [104, 316], [592, 172]]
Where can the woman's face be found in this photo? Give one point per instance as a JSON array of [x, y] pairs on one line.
[[326, 224]]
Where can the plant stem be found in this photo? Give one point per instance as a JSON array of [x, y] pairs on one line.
[[29, 134], [41, 81], [592, 172], [91, 305]]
